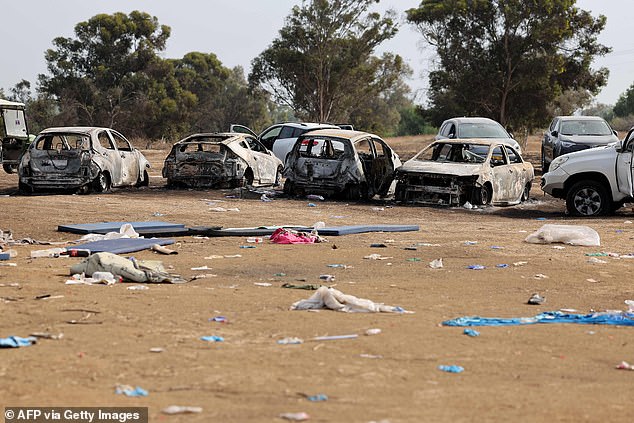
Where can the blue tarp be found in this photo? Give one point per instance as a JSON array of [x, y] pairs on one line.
[[604, 318], [121, 245], [105, 227]]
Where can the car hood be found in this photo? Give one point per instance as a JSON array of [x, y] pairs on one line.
[[446, 168], [589, 139]]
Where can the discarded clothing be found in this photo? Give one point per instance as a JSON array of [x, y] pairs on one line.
[[333, 299], [307, 287], [603, 318], [128, 269], [16, 342], [290, 236], [565, 234], [125, 231], [129, 391]]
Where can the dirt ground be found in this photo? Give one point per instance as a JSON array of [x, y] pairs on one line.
[[533, 373]]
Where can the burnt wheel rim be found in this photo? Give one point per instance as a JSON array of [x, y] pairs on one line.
[[587, 201]]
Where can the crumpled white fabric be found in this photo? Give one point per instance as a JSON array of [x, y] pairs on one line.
[[565, 234], [125, 231], [333, 299]]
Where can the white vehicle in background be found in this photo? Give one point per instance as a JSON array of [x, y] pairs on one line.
[[281, 137], [596, 181], [14, 134]]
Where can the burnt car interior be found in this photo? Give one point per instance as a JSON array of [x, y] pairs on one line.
[[455, 153], [60, 142]]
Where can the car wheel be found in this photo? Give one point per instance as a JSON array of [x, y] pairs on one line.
[[102, 182], [481, 196], [278, 176], [9, 168], [400, 192], [353, 192], [526, 193], [588, 199], [248, 178], [545, 165], [143, 182], [289, 187], [24, 188]]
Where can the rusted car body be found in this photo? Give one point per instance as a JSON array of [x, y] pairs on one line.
[[335, 162], [219, 160], [454, 172], [81, 158]]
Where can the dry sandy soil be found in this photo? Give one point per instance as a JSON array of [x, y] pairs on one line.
[[533, 373]]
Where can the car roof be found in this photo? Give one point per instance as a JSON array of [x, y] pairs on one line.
[[74, 129], [471, 120], [483, 141], [581, 118], [339, 133], [309, 125]]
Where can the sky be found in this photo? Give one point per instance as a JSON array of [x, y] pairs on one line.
[[239, 30]]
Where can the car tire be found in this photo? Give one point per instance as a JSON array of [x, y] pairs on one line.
[[545, 165], [588, 199], [143, 182], [526, 193], [25, 189], [247, 180], [481, 196], [102, 182], [289, 187]]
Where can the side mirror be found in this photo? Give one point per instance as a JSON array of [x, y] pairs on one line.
[[619, 146], [554, 133]]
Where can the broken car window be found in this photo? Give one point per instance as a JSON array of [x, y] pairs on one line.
[[497, 157], [322, 148], [62, 142], [457, 153], [104, 140], [122, 143]]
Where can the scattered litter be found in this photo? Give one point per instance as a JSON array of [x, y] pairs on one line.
[[624, 365], [376, 257], [333, 299], [50, 253], [296, 417], [467, 205], [334, 337], [502, 266], [476, 267], [247, 246], [157, 350], [630, 306], [138, 288], [565, 234], [312, 205], [316, 398], [568, 310], [46, 335], [262, 284], [232, 256], [436, 264], [616, 318], [157, 214], [413, 259], [536, 299], [378, 246], [219, 319], [105, 278], [541, 218], [279, 274], [255, 240], [373, 331], [289, 236], [265, 199], [471, 332], [163, 250], [213, 256], [289, 341], [222, 209], [451, 369], [203, 276], [596, 260], [520, 263], [558, 247], [307, 287], [9, 264], [370, 356], [129, 391], [327, 278], [212, 338], [129, 269], [496, 247], [470, 242], [181, 409], [16, 342], [201, 268], [540, 276], [315, 197], [339, 266]]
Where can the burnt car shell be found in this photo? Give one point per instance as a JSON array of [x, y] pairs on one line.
[[220, 160], [340, 162], [453, 172], [81, 158]]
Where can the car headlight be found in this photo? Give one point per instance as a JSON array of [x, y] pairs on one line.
[[557, 162], [566, 144]]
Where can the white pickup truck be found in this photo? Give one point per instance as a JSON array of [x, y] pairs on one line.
[[594, 182]]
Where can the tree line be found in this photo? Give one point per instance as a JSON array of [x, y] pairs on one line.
[[516, 61]]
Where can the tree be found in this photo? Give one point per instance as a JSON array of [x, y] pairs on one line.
[[322, 64], [509, 59], [625, 104]]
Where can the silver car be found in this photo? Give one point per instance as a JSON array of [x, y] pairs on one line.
[[216, 160], [475, 127], [454, 172], [84, 159], [352, 164]]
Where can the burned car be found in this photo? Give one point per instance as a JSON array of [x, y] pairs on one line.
[[454, 172], [217, 160], [83, 159], [335, 162]]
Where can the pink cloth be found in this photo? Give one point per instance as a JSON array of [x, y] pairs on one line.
[[287, 236]]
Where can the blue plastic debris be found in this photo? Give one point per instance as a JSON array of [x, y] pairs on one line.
[[312, 205], [601, 318], [129, 391], [476, 267], [212, 338], [221, 319], [502, 265], [451, 369], [471, 332], [317, 398], [247, 246], [16, 342], [541, 218]]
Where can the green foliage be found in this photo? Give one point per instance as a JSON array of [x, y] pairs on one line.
[[508, 59], [322, 64], [606, 111], [625, 104], [414, 122]]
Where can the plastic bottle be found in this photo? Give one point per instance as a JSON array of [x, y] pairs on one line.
[[79, 253], [107, 277], [255, 240], [51, 252]]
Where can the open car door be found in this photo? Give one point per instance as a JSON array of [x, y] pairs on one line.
[[241, 129]]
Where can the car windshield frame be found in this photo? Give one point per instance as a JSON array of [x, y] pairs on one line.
[[585, 127], [487, 130], [452, 152]]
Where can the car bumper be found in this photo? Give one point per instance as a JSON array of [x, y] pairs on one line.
[[553, 182]]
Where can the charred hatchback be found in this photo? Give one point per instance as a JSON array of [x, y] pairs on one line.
[[221, 160], [453, 172], [83, 159], [331, 162]]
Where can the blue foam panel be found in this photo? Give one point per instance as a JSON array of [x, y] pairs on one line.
[[121, 245]]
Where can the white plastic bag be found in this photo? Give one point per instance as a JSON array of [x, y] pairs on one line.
[[565, 234]]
